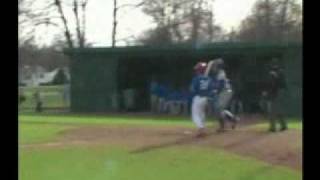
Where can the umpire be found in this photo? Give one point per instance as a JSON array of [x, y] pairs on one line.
[[276, 86]]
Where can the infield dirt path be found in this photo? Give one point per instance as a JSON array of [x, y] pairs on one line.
[[282, 148]]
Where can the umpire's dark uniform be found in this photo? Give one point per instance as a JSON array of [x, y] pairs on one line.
[[274, 90]]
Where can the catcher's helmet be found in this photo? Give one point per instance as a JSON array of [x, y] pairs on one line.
[[220, 63], [217, 64], [200, 67]]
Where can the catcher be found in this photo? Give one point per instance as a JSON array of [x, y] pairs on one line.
[[222, 94]]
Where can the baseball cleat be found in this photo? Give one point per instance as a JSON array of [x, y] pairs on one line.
[[236, 119], [201, 134]]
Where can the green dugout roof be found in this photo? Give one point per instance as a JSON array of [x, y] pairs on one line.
[[220, 48]]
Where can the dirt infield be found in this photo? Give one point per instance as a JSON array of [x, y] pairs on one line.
[[283, 148]]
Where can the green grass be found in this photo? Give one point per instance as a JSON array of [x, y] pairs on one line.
[[292, 124], [129, 120], [36, 133], [39, 128], [111, 163], [111, 120], [103, 162]]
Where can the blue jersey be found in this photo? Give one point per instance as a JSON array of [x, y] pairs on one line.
[[173, 96], [201, 85], [162, 91], [154, 88]]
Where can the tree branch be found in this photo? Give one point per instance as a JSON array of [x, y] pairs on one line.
[[114, 25], [46, 22], [65, 23], [131, 5], [76, 15], [84, 10]]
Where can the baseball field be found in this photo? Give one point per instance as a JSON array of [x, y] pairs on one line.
[[119, 147]]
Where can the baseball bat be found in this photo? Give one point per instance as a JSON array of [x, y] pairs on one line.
[[210, 64]]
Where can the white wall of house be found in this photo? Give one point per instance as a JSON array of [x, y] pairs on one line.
[[35, 75]]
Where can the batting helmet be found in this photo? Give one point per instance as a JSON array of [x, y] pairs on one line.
[[217, 64], [220, 63], [200, 67]]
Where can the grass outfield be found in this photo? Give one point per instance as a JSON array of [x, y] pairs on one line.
[[113, 120], [36, 128], [112, 163], [293, 124], [131, 120], [35, 133], [102, 162]]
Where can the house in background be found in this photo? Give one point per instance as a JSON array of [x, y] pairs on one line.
[[56, 77], [37, 75], [29, 75]]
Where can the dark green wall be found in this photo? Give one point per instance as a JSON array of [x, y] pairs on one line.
[[93, 83], [292, 100], [96, 74]]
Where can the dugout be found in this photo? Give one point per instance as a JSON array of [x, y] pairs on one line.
[[99, 76]]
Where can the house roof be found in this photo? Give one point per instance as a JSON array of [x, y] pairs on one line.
[[48, 77]]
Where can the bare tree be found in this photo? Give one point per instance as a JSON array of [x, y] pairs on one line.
[[25, 18], [84, 23], [195, 21], [65, 23], [273, 20], [116, 9], [80, 26], [290, 18], [76, 15], [181, 21], [114, 25], [78, 7], [53, 14], [283, 17]]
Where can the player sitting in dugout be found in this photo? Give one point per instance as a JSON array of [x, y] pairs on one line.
[[162, 93], [177, 102]]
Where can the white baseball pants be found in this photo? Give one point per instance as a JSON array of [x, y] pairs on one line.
[[198, 110], [223, 100]]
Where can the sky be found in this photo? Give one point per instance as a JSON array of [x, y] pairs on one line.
[[133, 22]]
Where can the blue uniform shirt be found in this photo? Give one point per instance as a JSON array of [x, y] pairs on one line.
[[154, 88], [162, 91], [173, 96], [201, 85]]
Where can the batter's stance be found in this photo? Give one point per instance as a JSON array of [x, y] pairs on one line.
[[201, 89]]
